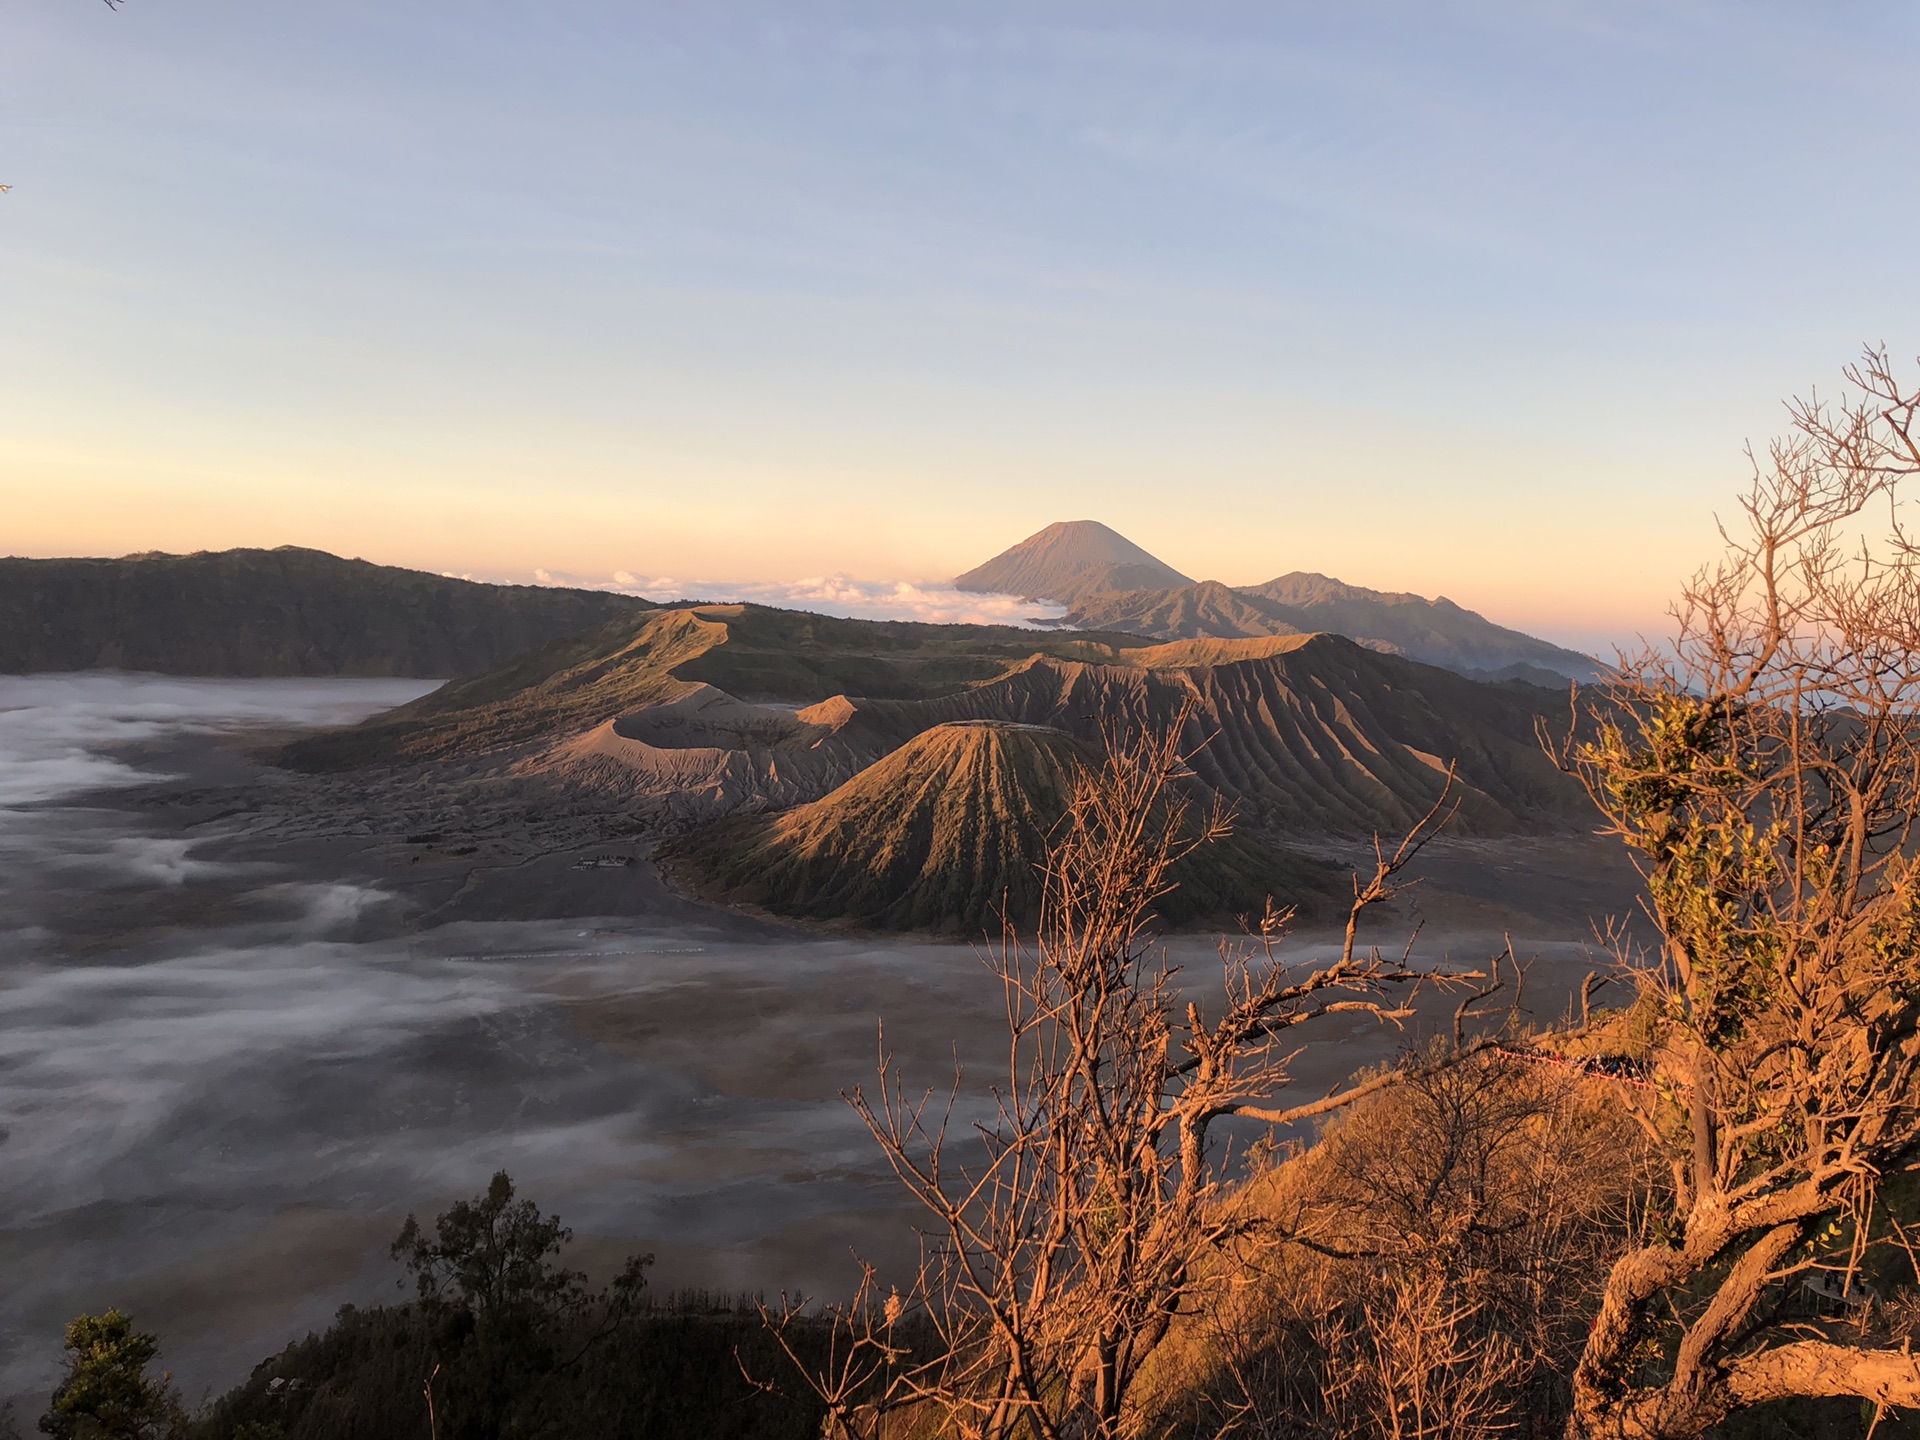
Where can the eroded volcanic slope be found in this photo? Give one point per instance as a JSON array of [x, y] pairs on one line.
[[1306, 735], [945, 833], [722, 654]]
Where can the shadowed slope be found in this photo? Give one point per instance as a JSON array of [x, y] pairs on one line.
[[1208, 610], [1436, 631], [276, 612], [1067, 559], [944, 832]]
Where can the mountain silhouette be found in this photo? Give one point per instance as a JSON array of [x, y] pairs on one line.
[[276, 612], [1111, 584], [1070, 559]]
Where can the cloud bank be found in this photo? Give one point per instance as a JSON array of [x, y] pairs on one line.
[[57, 731], [840, 595]]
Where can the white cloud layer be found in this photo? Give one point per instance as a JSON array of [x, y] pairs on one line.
[[57, 732], [840, 595]]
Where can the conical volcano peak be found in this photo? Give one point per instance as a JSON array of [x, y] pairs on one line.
[[1068, 559], [948, 832]]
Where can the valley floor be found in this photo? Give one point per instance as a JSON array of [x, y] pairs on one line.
[[251, 1019]]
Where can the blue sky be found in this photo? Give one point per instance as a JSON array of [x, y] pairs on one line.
[[1474, 299]]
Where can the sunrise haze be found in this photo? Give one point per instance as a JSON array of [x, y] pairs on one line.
[[1475, 300]]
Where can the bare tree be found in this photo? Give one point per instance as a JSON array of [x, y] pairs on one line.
[[1418, 1363], [1766, 775], [1093, 1216], [1456, 1230]]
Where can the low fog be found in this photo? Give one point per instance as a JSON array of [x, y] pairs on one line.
[[840, 595], [219, 1125], [227, 1075], [58, 732]]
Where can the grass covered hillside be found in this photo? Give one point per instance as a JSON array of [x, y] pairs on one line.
[[946, 832], [276, 612]]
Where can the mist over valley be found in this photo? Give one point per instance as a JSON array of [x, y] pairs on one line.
[[872, 722], [292, 957]]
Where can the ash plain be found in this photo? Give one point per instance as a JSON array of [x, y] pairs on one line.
[[249, 1020]]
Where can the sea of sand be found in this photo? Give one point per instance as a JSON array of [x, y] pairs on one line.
[[248, 1021]]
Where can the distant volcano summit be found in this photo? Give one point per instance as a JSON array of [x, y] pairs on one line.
[[1068, 560], [1111, 584]]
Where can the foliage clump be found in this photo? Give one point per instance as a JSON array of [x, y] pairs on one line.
[[1765, 774], [106, 1392]]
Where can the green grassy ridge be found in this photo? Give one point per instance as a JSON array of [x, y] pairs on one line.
[[945, 833]]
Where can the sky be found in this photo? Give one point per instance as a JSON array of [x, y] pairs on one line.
[[1470, 299]]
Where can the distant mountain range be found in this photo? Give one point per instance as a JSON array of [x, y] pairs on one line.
[[293, 611], [275, 612], [1110, 583], [897, 775], [877, 773]]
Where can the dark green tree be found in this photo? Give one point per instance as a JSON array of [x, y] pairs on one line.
[[491, 1256], [507, 1322], [106, 1393]]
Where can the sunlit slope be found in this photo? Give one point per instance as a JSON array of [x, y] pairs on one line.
[[945, 832], [567, 685], [751, 652]]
